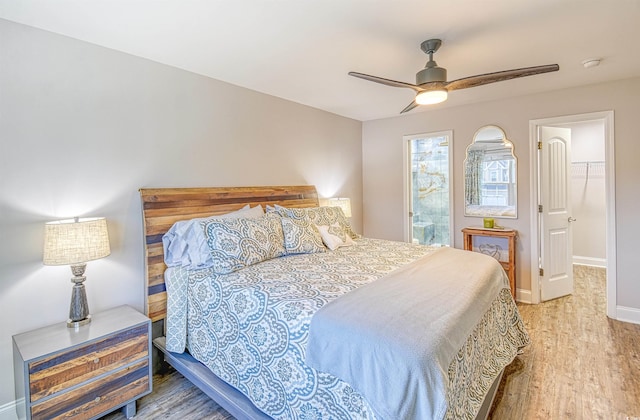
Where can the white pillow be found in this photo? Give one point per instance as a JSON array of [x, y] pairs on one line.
[[185, 244], [334, 236]]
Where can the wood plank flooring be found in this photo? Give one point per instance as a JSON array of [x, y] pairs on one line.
[[580, 365], [174, 397]]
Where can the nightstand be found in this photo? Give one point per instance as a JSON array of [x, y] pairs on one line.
[[509, 235], [84, 372]]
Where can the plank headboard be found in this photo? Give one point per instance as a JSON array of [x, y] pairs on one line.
[[162, 207]]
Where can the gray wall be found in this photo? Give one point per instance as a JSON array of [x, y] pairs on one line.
[[83, 127], [382, 167]]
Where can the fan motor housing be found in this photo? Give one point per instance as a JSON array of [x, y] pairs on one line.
[[431, 74]]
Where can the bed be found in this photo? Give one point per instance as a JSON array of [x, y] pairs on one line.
[[252, 337]]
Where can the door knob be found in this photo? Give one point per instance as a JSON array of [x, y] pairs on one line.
[[571, 219]]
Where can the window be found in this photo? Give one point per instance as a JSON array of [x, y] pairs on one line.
[[495, 183]]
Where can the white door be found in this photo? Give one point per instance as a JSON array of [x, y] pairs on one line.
[[556, 274]]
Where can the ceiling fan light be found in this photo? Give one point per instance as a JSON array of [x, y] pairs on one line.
[[431, 97]]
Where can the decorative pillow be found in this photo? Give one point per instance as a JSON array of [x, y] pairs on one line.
[[301, 236], [319, 216], [238, 243], [185, 245], [334, 236]]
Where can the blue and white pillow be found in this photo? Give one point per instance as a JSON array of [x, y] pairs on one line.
[[185, 244], [318, 215], [238, 243], [301, 236]]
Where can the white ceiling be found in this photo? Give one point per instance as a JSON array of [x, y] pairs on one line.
[[301, 50]]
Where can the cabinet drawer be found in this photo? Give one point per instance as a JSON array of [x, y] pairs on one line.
[[96, 397], [66, 369]]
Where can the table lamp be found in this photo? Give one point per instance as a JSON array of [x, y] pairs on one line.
[[343, 203], [74, 242]]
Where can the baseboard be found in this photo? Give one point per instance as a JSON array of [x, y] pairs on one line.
[[8, 411], [523, 295], [590, 261], [626, 314]]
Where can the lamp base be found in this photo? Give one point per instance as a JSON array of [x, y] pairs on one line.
[[79, 308], [77, 324]]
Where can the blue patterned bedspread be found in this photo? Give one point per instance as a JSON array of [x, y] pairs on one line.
[[250, 327]]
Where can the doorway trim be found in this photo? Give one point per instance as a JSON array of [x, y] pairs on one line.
[[607, 118]]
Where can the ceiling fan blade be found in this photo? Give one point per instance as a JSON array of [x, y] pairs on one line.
[[384, 81], [432, 86], [484, 79], [409, 107]]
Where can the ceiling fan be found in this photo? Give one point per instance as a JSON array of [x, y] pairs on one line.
[[431, 82]]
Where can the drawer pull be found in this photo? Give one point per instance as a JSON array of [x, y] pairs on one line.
[[97, 400], [96, 360]]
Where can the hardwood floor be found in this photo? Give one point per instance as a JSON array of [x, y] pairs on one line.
[[580, 365], [174, 397]]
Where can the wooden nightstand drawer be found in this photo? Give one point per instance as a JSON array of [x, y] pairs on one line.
[[83, 372], [61, 371], [97, 396]]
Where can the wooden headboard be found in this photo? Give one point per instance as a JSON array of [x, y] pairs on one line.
[[162, 207]]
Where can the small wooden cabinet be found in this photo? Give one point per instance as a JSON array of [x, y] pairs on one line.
[[509, 264], [85, 372]]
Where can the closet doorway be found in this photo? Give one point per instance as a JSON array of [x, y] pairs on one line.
[[590, 189]]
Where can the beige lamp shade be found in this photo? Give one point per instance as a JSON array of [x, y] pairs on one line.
[[75, 241], [343, 203]]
